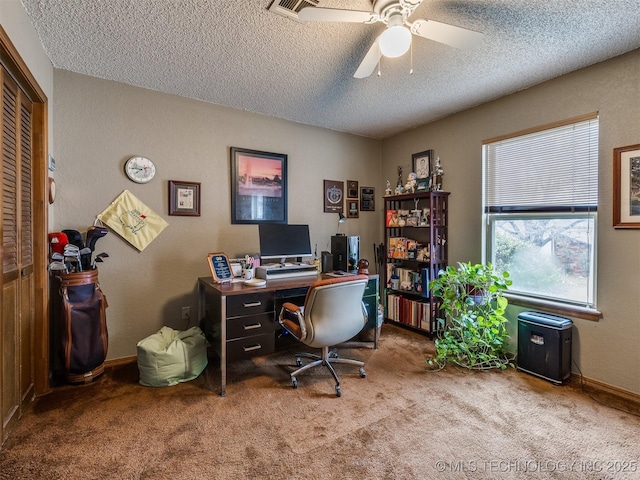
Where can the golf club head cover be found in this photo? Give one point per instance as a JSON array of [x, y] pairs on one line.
[[75, 238], [57, 241], [93, 234]]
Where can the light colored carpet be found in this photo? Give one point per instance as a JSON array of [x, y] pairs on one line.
[[399, 422]]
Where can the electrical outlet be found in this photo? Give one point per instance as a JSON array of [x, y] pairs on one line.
[[186, 314]]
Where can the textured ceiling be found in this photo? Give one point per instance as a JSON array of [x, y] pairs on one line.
[[238, 54]]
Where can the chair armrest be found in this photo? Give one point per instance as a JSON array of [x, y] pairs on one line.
[[292, 319], [290, 308]]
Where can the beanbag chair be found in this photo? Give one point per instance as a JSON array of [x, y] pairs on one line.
[[171, 356]]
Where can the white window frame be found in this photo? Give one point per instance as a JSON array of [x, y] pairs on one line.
[[491, 215]]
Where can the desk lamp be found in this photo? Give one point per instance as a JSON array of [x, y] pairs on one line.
[[341, 219]]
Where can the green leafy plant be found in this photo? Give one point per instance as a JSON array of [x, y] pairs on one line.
[[474, 328]]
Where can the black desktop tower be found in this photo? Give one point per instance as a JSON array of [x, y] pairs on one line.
[[346, 252], [544, 346]]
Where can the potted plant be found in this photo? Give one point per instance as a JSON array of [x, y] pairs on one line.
[[474, 326]]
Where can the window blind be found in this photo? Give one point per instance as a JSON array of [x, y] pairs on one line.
[[549, 170]]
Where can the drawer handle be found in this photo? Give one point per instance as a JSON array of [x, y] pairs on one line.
[[253, 326], [254, 304], [252, 348]]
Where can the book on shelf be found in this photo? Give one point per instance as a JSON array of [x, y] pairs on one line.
[[397, 247], [414, 313], [392, 218]]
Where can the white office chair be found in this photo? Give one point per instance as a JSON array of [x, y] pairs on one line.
[[333, 313]]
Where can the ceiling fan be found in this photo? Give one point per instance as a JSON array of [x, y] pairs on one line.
[[396, 39]]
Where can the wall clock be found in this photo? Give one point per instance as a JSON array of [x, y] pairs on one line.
[[140, 169]]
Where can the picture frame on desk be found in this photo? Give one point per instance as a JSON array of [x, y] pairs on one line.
[[184, 198], [258, 179], [220, 267]]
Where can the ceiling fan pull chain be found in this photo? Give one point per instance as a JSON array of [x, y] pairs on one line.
[[411, 59]]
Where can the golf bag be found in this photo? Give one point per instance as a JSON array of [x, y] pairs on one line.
[[82, 326]]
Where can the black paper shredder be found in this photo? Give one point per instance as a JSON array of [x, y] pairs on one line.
[[544, 346]]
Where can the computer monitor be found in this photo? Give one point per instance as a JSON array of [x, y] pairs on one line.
[[280, 242]]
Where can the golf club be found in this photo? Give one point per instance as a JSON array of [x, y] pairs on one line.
[[93, 234], [99, 258]]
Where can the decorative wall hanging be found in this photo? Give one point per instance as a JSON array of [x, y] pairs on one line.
[[333, 196], [367, 199], [352, 189], [258, 187], [626, 187], [352, 208], [184, 198], [133, 220]]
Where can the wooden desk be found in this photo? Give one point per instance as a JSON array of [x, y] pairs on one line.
[[240, 321]]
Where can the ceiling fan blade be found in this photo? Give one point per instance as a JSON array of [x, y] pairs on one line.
[[369, 62], [336, 15], [448, 34]]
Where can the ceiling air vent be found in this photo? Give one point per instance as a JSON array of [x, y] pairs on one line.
[[290, 8]]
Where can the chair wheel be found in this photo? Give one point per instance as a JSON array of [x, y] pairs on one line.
[[294, 382], [362, 372], [338, 391], [298, 361], [333, 354]]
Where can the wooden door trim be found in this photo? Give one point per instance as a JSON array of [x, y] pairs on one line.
[[15, 65]]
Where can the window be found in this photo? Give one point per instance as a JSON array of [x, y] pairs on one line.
[[540, 206]]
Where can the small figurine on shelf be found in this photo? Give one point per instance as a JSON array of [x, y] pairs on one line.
[[410, 186], [399, 183], [438, 172], [388, 191], [424, 219], [423, 254]]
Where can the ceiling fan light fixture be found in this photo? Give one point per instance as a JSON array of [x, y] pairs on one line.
[[395, 41]]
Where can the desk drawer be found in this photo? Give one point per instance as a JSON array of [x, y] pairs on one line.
[[371, 288], [239, 305], [248, 347], [239, 327]]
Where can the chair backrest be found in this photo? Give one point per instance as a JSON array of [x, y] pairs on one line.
[[333, 310]]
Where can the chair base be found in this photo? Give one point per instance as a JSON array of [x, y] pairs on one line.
[[326, 359]]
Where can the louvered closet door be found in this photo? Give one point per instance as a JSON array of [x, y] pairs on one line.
[[16, 335]]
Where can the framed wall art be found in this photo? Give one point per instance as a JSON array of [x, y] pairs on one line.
[[626, 187], [421, 163], [333, 196], [258, 186], [352, 208], [367, 199], [184, 198], [352, 189]]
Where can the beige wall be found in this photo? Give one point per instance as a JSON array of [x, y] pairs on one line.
[[607, 350], [16, 23], [99, 124]]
